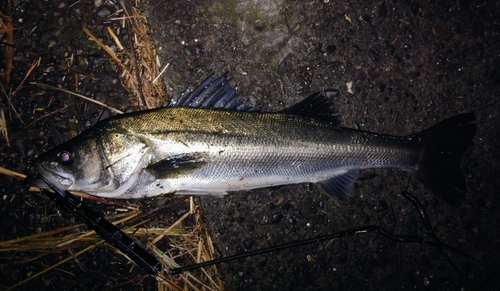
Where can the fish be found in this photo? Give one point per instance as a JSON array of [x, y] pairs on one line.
[[210, 142]]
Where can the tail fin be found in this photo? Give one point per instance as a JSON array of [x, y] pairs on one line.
[[443, 146]]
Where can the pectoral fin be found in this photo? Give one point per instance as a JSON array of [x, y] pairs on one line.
[[339, 187], [174, 166]]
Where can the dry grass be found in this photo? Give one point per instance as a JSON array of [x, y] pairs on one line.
[[141, 66], [6, 28], [189, 239], [3, 127], [142, 71]]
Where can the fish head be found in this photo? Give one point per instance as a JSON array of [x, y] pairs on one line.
[[75, 165], [104, 162]]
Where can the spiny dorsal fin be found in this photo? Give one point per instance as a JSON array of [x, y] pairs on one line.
[[317, 106], [214, 94]]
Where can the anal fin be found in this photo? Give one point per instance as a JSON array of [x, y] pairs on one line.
[[339, 187]]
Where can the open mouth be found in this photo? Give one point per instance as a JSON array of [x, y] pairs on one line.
[[62, 180]]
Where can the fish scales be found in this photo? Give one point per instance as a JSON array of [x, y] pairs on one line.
[[214, 150], [247, 150]]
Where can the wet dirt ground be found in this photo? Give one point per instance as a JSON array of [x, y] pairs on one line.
[[400, 67]]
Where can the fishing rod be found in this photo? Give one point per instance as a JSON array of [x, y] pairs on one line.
[[105, 229], [150, 264]]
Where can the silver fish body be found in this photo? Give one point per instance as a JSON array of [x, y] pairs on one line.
[[207, 151]]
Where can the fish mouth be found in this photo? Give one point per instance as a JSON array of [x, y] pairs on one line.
[[61, 180]]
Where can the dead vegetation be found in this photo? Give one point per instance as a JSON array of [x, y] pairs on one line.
[[188, 238]]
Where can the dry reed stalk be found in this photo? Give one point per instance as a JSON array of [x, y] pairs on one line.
[[146, 66], [192, 243], [80, 96], [7, 28], [141, 74], [188, 238], [54, 266], [3, 127]]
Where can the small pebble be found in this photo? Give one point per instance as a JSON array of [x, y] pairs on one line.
[[101, 97], [181, 212], [109, 208], [262, 261], [104, 12], [29, 221], [281, 270], [63, 129], [382, 10], [367, 19], [441, 31], [374, 56], [277, 217], [248, 243], [349, 87], [105, 114], [96, 59], [264, 220], [330, 49], [381, 206], [198, 50], [332, 93], [427, 282], [38, 141]]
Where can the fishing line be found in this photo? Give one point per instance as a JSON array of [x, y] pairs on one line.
[[149, 263], [433, 241]]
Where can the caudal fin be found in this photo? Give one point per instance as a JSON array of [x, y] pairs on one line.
[[443, 146]]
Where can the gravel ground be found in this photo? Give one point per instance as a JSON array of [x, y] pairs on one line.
[[410, 65]]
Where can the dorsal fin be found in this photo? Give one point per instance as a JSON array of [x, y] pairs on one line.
[[317, 106], [214, 94]]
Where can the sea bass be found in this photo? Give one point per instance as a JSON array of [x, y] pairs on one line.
[[210, 142]]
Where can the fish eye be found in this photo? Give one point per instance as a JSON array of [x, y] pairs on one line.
[[65, 157]]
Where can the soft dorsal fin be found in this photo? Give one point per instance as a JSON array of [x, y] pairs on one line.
[[212, 93], [317, 106]]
